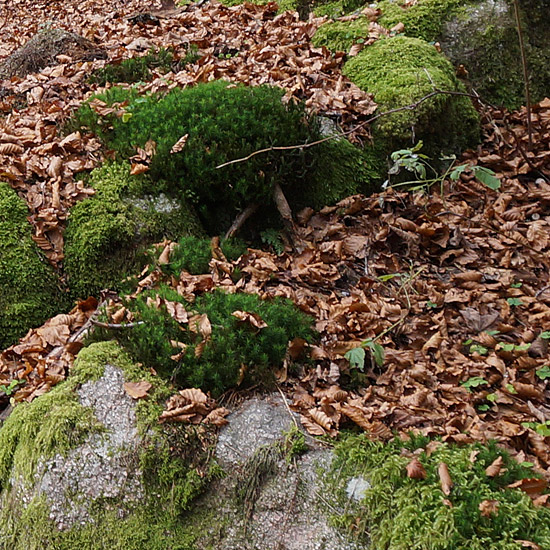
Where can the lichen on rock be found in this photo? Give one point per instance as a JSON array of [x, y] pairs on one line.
[[29, 292]]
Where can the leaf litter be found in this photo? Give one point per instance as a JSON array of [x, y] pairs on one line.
[[452, 284]]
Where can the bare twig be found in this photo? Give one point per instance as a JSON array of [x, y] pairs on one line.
[[410, 107], [240, 219], [116, 326], [525, 72]]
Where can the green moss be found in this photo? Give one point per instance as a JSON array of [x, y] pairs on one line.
[[401, 513], [235, 352], [28, 286], [341, 35], [400, 71], [424, 19], [343, 170], [107, 232], [51, 425]]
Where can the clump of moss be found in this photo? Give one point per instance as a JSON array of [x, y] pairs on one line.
[[107, 232], [29, 292], [139, 69], [223, 123], [339, 36], [424, 19], [235, 352], [400, 513], [193, 254], [400, 71]]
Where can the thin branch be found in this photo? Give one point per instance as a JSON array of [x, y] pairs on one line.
[[116, 326], [525, 72], [240, 219], [410, 107]]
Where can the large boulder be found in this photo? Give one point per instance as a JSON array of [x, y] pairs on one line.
[[481, 35], [29, 292], [87, 466]]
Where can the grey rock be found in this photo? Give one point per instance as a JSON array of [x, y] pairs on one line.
[[103, 466]]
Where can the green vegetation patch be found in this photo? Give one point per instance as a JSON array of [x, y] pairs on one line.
[[139, 69], [400, 71], [29, 291], [424, 19], [106, 233], [339, 36], [400, 513], [235, 352]]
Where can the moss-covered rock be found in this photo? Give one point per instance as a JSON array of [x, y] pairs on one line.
[[107, 232], [401, 71], [29, 291], [481, 35], [395, 512], [93, 469], [339, 36]]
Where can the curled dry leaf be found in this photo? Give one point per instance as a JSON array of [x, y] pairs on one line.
[[194, 395], [494, 468], [180, 144], [312, 427], [531, 486], [445, 478], [415, 470], [252, 318], [137, 390]]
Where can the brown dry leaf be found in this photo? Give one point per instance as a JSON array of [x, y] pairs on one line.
[[217, 417], [313, 428], [531, 486], [321, 418], [445, 478], [200, 324], [488, 508], [177, 311], [528, 544], [179, 145], [194, 395], [252, 318], [415, 469], [494, 468], [137, 390]]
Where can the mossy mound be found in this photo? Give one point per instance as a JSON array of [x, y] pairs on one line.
[[400, 513], [400, 71], [424, 19], [224, 340], [56, 424], [339, 36], [29, 291], [107, 233], [222, 123]]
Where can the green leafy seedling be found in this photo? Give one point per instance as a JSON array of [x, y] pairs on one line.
[[545, 335], [12, 387], [474, 382], [544, 372], [514, 301], [356, 356]]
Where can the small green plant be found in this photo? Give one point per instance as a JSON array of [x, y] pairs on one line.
[[12, 387], [513, 347], [542, 428], [474, 382], [418, 164], [356, 356], [272, 237], [544, 372], [223, 343], [514, 301], [474, 347], [294, 444], [545, 335]]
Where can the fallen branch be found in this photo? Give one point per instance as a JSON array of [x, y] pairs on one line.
[[410, 107]]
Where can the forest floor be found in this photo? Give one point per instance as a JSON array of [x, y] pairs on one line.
[[451, 282]]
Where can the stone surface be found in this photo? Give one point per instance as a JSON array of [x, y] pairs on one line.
[[102, 467]]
